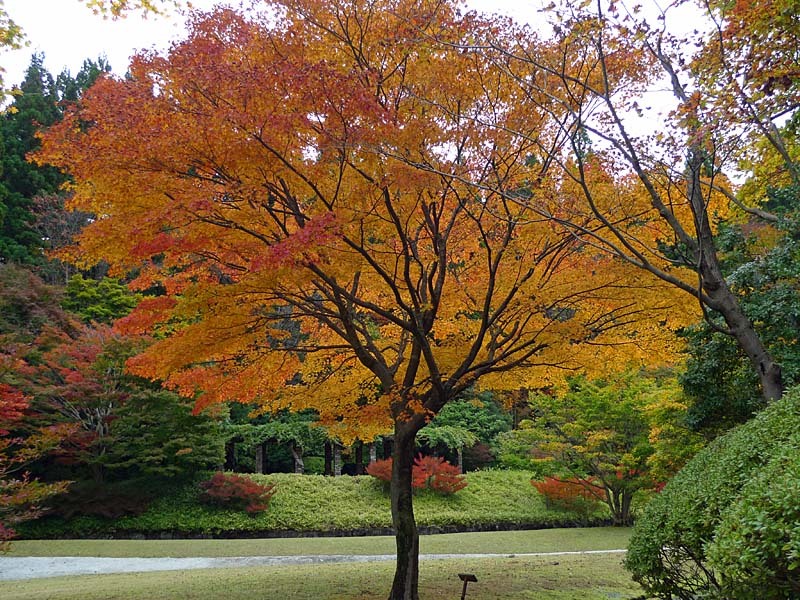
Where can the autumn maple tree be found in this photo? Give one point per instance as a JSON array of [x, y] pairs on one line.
[[325, 194]]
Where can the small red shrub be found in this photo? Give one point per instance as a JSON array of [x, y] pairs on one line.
[[433, 473], [568, 494], [237, 491], [429, 472], [381, 469]]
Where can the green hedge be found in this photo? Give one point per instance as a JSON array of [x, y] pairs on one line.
[[314, 503], [728, 525], [757, 543]]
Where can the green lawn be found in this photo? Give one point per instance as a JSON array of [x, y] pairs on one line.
[[500, 542], [317, 503], [594, 577]]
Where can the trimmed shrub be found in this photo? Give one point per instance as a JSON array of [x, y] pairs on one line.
[[109, 500], [493, 499], [757, 544], [429, 473], [381, 469], [237, 491], [726, 526], [433, 473]]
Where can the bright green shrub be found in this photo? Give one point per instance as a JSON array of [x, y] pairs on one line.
[[757, 544], [314, 465], [695, 520]]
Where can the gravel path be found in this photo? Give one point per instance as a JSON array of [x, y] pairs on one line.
[[33, 567]]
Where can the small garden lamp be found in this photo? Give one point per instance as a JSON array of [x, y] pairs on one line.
[[466, 578]]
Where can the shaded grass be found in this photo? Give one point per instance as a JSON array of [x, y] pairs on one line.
[[305, 503], [592, 577], [500, 542]]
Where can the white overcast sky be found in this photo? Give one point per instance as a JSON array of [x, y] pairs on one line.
[[68, 33]]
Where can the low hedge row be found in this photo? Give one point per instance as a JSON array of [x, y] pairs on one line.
[[327, 505]]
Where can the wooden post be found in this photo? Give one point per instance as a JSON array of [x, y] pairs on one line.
[[230, 455], [466, 578], [297, 455], [373, 452]]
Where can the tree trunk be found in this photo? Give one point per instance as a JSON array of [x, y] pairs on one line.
[[406, 576], [98, 473], [460, 454], [261, 456], [722, 299], [328, 458], [769, 371], [337, 460], [619, 501], [359, 458], [627, 500], [387, 447], [297, 456]]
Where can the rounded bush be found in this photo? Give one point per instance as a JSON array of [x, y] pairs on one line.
[[757, 543], [698, 537]]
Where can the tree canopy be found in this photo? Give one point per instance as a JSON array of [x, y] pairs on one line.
[[317, 182]]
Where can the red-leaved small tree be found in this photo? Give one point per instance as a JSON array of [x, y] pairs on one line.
[[237, 491], [569, 494], [21, 497], [381, 469]]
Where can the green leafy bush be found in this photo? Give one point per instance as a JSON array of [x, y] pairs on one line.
[[237, 491], [727, 525], [757, 544]]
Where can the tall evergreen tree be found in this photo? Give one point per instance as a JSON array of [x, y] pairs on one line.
[[35, 106], [38, 103]]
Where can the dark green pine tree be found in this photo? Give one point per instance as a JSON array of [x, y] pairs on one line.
[[37, 105]]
